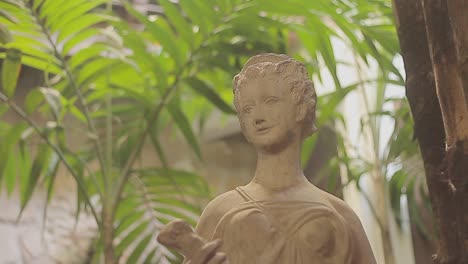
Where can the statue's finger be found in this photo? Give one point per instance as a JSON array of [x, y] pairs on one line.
[[219, 258], [207, 252]]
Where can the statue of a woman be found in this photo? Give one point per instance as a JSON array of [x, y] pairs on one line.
[[279, 217]]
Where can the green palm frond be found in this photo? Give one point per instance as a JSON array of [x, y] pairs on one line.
[[47, 34], [153, 198]]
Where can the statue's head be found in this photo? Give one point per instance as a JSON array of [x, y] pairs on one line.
[[275, 100]]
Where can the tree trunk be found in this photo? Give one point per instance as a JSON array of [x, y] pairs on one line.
[[443, 46], [433, 51], [458, 14]]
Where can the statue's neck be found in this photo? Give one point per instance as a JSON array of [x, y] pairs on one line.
[[281, 169]]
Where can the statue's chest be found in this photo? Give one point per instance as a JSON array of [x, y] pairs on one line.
[[271, 231]]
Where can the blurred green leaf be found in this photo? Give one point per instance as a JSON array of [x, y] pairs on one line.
[[41, 158], [82, 23], [52, 97], [51, 173], [5, 35], [78, 40], [10, 173], [15, 134], [174, 16], [10, 71], [205, 90], [8, 16], [71, 11], [185, 127], [4, 157], [307, 148], [166, 177], [196, 14], [161, 33], [330, 102], [10, 3], [33, 100], [140, 248], [129, 238], [157, 145], [40, 63], [3, 109], [25, 168], [150, 257]]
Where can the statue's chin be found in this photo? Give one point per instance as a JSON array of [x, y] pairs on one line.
[[272, 143]]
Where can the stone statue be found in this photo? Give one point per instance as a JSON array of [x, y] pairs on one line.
[[279, 217]]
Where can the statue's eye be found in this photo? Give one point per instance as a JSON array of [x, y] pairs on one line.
[[271, 100], [247, 109]]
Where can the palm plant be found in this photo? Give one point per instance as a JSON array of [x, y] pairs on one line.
[[123, 82]]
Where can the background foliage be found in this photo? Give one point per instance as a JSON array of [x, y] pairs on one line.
[[124, 75]]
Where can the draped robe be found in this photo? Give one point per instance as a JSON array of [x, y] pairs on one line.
[[283, 232]]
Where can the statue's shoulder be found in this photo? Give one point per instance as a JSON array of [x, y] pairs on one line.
[[215, 210], [346, 212]]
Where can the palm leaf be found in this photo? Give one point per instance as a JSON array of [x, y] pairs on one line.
[[144, 209], [161, 32], [179, 22], [184, 126]]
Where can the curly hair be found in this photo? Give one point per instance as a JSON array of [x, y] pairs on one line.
[[292, 72]]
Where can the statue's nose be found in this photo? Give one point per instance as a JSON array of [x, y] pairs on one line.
[[259, 121]]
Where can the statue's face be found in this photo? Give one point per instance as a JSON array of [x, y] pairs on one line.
[[267, 114]]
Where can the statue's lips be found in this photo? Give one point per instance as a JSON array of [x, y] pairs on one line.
[[263, 130]]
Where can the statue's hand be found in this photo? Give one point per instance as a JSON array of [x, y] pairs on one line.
[[209, 254]]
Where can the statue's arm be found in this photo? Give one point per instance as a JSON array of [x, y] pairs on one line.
[[212, 214], [362, 251], [207, 224]]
